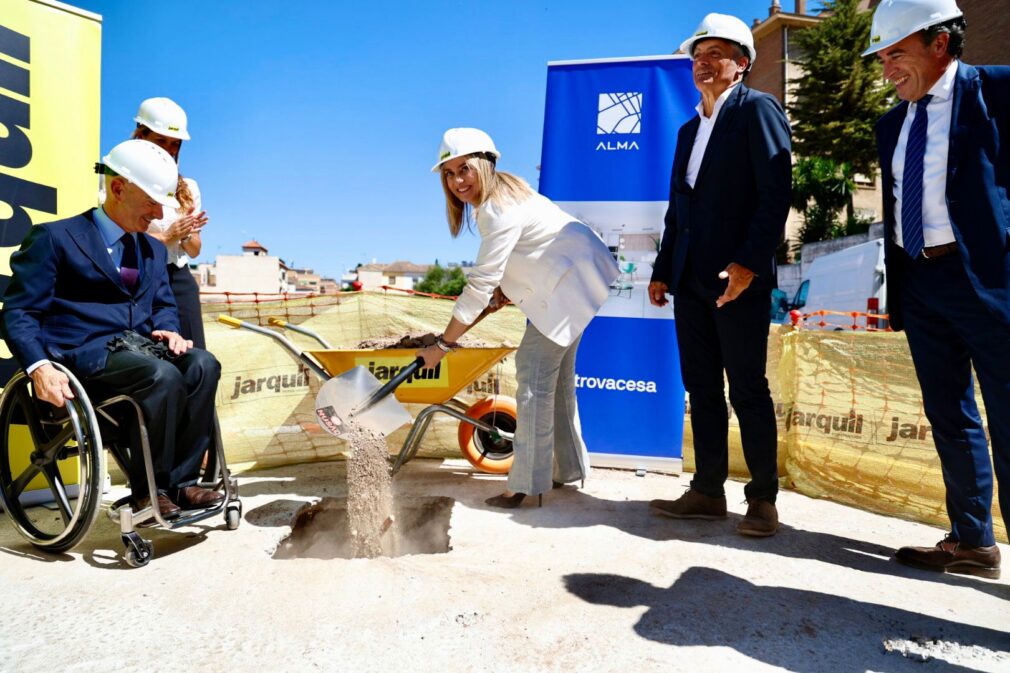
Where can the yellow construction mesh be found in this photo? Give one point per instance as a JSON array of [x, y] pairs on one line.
[[850, 419], [265, 398]]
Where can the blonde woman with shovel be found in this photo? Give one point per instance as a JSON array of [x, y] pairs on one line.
[[557, 271]]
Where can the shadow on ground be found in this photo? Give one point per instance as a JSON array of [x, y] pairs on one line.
[[794, 629]]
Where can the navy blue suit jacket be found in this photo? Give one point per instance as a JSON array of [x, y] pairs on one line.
[[66, 301], [738, 207], [978, 176]]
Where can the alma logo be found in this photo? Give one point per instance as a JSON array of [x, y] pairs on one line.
[[619, 113]]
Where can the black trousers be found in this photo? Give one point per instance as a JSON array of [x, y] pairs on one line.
[[732, 339], [187, 300], [177, 399]]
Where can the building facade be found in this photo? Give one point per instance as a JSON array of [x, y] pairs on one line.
[[400, 274]]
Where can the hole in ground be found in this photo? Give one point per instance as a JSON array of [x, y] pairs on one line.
[[320, 530]]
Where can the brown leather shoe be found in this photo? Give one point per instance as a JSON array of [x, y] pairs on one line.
[[761, 520], [197, 497], [691, 505], [951, 556], [167, 508]]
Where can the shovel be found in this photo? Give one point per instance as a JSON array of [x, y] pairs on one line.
[[356, 395], [357, 399]]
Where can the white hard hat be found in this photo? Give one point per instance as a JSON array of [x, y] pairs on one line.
[[147, 166], [461, 142], [894, 20], [164, 116], [723, 27]]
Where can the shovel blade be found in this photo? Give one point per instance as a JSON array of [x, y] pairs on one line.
[[340, 396]]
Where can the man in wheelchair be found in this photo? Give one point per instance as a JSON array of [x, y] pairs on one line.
[[91, 292]]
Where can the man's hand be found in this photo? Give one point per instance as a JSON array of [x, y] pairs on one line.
[[51, 385], [657, 293], [740, 278], [175, 343]]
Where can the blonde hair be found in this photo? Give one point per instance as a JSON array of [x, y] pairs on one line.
[[182, 192], [498, 187]]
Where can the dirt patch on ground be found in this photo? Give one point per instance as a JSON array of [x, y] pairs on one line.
[[419, 341], [321, 530]]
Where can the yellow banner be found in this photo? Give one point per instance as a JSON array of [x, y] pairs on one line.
[[50, 64]]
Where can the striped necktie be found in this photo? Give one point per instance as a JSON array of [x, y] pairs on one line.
[[128, 269], [911, 182]]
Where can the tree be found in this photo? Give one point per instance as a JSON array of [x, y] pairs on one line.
[[840, 95], [820, 190], [438, 280]]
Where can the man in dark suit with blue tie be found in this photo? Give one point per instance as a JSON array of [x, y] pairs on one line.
[[729, 200], [945, 159], [79, 286]]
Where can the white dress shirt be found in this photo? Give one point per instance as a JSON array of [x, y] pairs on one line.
[[176, 255], [936, 225], [703, 136], [553, 267]]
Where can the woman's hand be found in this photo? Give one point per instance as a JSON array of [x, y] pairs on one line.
[[432, 356], [186, 226], [498, 300]]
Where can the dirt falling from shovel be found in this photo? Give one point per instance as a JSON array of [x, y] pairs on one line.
[[369, 496]]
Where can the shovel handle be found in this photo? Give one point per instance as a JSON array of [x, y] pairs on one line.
[[391, 385]]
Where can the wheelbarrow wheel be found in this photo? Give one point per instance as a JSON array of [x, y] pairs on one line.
[[488, 451]]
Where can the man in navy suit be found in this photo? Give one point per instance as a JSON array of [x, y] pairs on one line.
[[729, 199], [945, 160], [79, 284]]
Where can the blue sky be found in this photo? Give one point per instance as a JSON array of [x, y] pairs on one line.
[[315, 124]]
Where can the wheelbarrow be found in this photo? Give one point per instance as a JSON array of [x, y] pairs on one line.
[[486, 428]]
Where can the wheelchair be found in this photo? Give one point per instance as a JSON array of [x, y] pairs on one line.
[[67, 445]]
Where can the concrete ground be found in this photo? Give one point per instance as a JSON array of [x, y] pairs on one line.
[[589, 582]]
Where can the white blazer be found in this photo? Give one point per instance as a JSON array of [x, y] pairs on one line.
[[553, 267]]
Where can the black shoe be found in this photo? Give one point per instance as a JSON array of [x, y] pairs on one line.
[[511, 501]]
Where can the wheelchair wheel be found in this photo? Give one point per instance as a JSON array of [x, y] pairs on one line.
[[49, 455], [233, 515], [488, 451], [139, 551]]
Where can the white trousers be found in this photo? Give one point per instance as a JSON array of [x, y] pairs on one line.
[[548, 440]]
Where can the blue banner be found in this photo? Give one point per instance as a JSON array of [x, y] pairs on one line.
[[610, 128], [631, 399], [610, 132]]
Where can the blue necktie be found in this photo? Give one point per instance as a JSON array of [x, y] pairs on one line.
[[911, 182], [128, 270]]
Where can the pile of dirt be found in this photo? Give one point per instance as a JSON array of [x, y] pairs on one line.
[[418, 341], [369, 495]]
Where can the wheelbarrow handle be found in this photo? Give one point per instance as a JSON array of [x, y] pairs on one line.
[[391, 385]]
